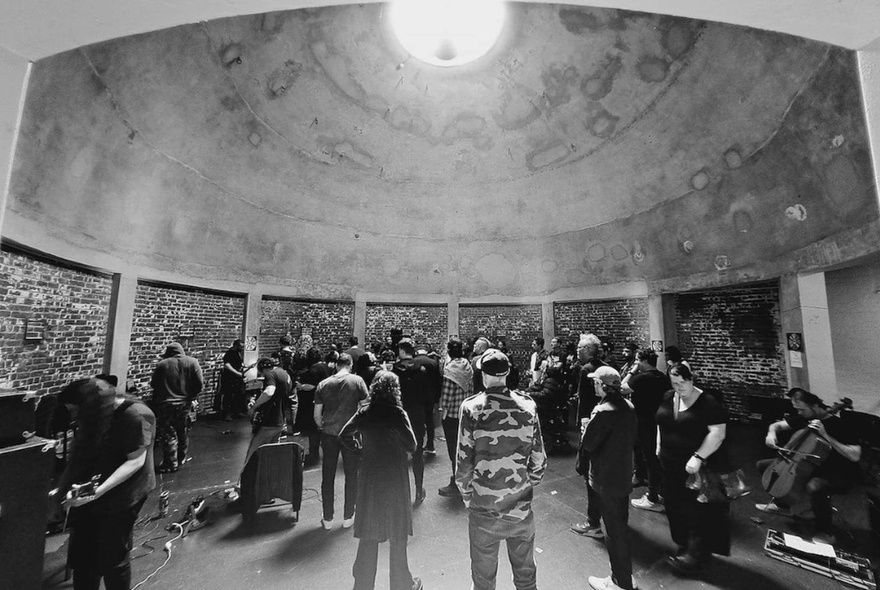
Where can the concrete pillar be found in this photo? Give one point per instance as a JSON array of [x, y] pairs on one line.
[[792, 322], [15, 72], [252, 327], [119, 329], [670, 328], [359, 328], [452, 319], [818, 351], [869, 73], [656, 327], [548, 320]]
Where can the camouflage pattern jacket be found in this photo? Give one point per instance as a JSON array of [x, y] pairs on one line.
[[500, 453]]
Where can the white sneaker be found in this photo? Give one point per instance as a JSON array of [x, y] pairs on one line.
[[773, 508], [327, 524], [347, 523], [602, 583], [645, 504], [607, 583]]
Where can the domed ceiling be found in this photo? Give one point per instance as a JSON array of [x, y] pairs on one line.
[[306, 150]]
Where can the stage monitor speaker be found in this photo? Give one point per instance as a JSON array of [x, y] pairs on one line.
[[24, 491], [17, 416]]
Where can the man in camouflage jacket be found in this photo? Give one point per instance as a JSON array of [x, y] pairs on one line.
[[500, 459]]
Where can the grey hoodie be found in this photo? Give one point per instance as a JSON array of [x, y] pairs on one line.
[[177, 378]]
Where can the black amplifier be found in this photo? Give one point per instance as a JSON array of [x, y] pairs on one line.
[[17, 416]]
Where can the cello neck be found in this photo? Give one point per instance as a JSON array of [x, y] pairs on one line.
[[843, 404]]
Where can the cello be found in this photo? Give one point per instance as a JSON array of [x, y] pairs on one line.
[[786, 478]]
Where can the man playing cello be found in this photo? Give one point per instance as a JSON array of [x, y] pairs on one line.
[[835, 475]]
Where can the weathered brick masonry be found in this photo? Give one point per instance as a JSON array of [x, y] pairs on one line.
[[329, 322], [73, 306], [731, 337], [205, 323], [427, 324], [619, 320], [517, 325]]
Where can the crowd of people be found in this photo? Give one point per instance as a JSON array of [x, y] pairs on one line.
[[375, 409]]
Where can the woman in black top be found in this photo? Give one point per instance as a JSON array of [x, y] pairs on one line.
[[692, 428]]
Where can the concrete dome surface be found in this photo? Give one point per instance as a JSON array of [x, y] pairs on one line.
[[304, 149]]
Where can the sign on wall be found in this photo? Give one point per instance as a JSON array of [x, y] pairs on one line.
[[795, 343]]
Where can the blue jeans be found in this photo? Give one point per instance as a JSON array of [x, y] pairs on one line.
[[486, 534]]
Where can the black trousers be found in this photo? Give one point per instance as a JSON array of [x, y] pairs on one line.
[[450, 431], [417, 420], [699, 529], [647, 465], [100, 547], [615, 515], [429, 426], [594, 504], [366, 562]]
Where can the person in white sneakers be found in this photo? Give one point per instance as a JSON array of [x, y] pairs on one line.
[[646, 386], [336, 400]]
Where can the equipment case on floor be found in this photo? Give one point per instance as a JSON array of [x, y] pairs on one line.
[[848, 568]]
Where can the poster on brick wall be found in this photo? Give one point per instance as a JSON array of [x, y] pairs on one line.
[[795, 343]]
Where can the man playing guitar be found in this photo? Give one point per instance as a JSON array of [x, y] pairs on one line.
[[836, 475], [269, 412]]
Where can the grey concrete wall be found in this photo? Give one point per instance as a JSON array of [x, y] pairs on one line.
[[594, 147], [854, 313]]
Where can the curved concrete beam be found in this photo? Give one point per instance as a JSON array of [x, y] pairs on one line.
[[35, 30]]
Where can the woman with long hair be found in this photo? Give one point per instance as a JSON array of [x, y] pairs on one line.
[[385, 436]]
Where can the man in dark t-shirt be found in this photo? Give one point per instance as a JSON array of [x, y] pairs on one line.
[[646, 386], [269, 411], [102, 522], [416, 396], [232, 397], [836, 475]]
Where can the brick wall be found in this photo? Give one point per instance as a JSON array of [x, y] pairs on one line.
[[619, 320], [204, 323], [426, 324], [326, 323], [731, 338], [73, 306], [518, 325]]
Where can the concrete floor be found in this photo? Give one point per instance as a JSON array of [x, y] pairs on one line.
[[281, 553]]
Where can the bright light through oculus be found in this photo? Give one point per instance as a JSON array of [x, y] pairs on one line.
[[447, 32]]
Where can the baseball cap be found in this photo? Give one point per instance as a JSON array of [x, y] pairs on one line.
[[607, 375], [493, 362]]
